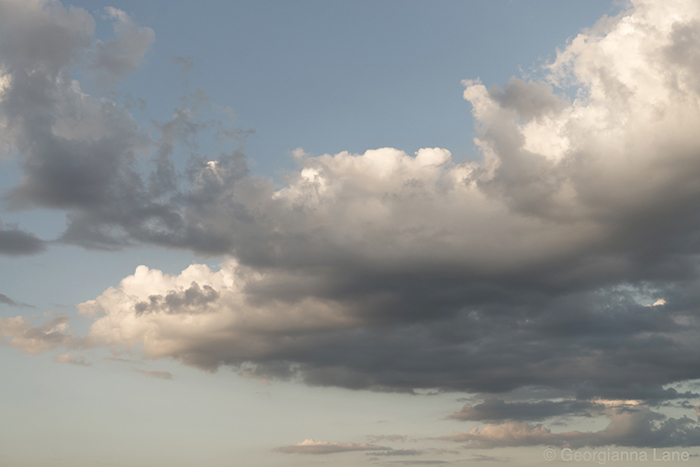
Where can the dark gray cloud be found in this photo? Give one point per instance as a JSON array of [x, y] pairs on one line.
[[7, 300], [586, 345], [575, 342], [18, 242], [4, 299], [494, 410], [44, 36], [529, 100], [192, 300]]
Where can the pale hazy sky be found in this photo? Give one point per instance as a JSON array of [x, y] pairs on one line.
[[348, 233]]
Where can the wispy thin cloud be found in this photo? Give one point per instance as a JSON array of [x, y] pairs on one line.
[[309, 446], [160, 374], [4, 299], [72, 359]]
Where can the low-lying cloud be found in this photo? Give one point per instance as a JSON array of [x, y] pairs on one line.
[[494, 409], [72, 359], [309, 446], [160, 374], [630, 425]]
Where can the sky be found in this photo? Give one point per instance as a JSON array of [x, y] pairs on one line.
[[267, 233]]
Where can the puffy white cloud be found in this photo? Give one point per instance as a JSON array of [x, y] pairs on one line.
[[204, 317]]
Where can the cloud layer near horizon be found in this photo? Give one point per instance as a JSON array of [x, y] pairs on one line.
[[309, 446], [385, 271], [630, 425]]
